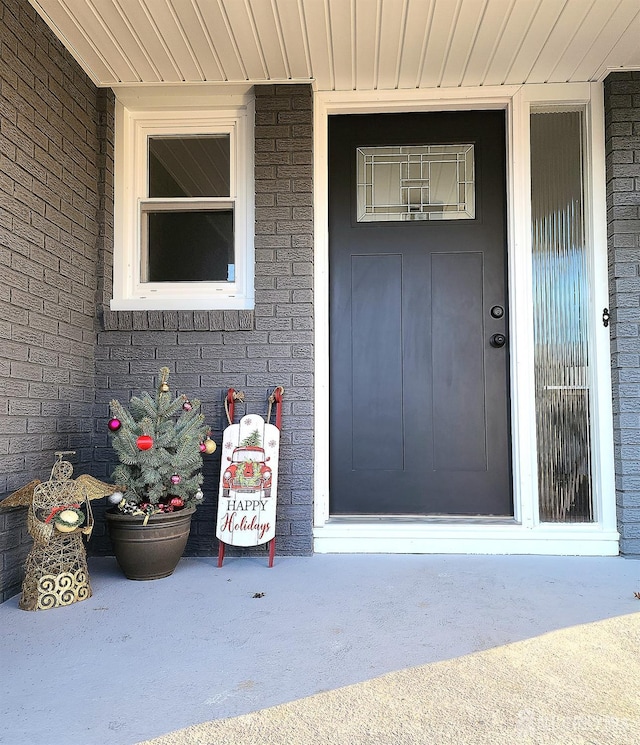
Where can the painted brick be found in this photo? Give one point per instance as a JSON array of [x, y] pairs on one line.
[[273, 324], [622, 112], [47, 262]]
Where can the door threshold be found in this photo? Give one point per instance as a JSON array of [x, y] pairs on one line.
[[445, 534], [423, 519]]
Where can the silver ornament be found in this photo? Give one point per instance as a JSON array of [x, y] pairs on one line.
[[115, 498]]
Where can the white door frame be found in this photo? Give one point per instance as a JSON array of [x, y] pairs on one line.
[[525, 534]]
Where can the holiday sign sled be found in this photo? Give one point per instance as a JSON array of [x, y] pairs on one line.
[[248, 485]]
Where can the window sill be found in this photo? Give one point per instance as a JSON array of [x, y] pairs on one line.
[[185, 303], [178, 320]]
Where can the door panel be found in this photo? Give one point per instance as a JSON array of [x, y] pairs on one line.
[[457, 358], [419, 396], [376, 313]]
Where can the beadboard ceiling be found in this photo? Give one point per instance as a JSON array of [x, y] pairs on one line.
[[348, 44]]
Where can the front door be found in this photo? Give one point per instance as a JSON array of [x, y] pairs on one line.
[[418, 315]]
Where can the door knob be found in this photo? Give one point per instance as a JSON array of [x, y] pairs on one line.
[[498, 340]]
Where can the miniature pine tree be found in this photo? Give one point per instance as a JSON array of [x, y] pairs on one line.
[[252, 440], [169, 464]]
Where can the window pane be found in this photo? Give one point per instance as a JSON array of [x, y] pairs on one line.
[[189, 166], [416, 182], [194, 246], [561, 299]]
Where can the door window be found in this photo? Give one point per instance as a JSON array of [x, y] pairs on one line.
[[416, 182]]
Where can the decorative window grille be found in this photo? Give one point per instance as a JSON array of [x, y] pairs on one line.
[[416, 182]]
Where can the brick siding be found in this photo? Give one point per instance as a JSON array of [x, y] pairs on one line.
[[208, 353], [48, 252], [622, 106]]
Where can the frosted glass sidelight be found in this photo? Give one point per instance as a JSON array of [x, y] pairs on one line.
[[561, 300], [416, 182]]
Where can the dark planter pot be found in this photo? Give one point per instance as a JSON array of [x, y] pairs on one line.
[[150, 551]]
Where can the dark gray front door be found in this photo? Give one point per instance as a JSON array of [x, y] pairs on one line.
[[419, 374]]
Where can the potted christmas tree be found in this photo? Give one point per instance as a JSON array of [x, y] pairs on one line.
[[159, 441]]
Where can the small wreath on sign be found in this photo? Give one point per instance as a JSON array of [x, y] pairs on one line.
[[68, 519]]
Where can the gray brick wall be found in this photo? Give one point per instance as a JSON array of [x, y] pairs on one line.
[[48, 251], [622, 107], [208, 353]]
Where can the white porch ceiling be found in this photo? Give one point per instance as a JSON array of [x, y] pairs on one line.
[[348, 44]]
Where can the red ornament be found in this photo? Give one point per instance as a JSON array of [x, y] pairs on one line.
[[114, 424], [175, 479], [187, 406], [176, 502], [144, 442], [203, 447]]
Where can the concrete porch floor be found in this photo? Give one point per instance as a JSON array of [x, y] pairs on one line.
[[139, 659]]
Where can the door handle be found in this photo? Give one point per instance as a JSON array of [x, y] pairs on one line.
[[498, 340]]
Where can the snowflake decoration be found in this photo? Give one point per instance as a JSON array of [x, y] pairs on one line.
[[228, 445], [272, 443], [248, 421]]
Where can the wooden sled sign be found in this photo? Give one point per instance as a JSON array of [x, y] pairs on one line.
[[248, 483]]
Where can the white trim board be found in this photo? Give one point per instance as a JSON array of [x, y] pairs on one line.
[[452, 538], [527, 534]]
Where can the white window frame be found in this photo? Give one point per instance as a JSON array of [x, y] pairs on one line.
[[133, 129]]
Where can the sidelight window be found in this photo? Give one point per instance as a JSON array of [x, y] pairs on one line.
[[561, 332]]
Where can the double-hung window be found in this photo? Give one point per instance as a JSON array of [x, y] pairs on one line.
[[184, 217]]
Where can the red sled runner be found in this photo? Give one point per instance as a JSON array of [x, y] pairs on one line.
[[249, 478]]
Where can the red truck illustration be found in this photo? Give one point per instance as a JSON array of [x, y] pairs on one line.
[[247, 473]]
